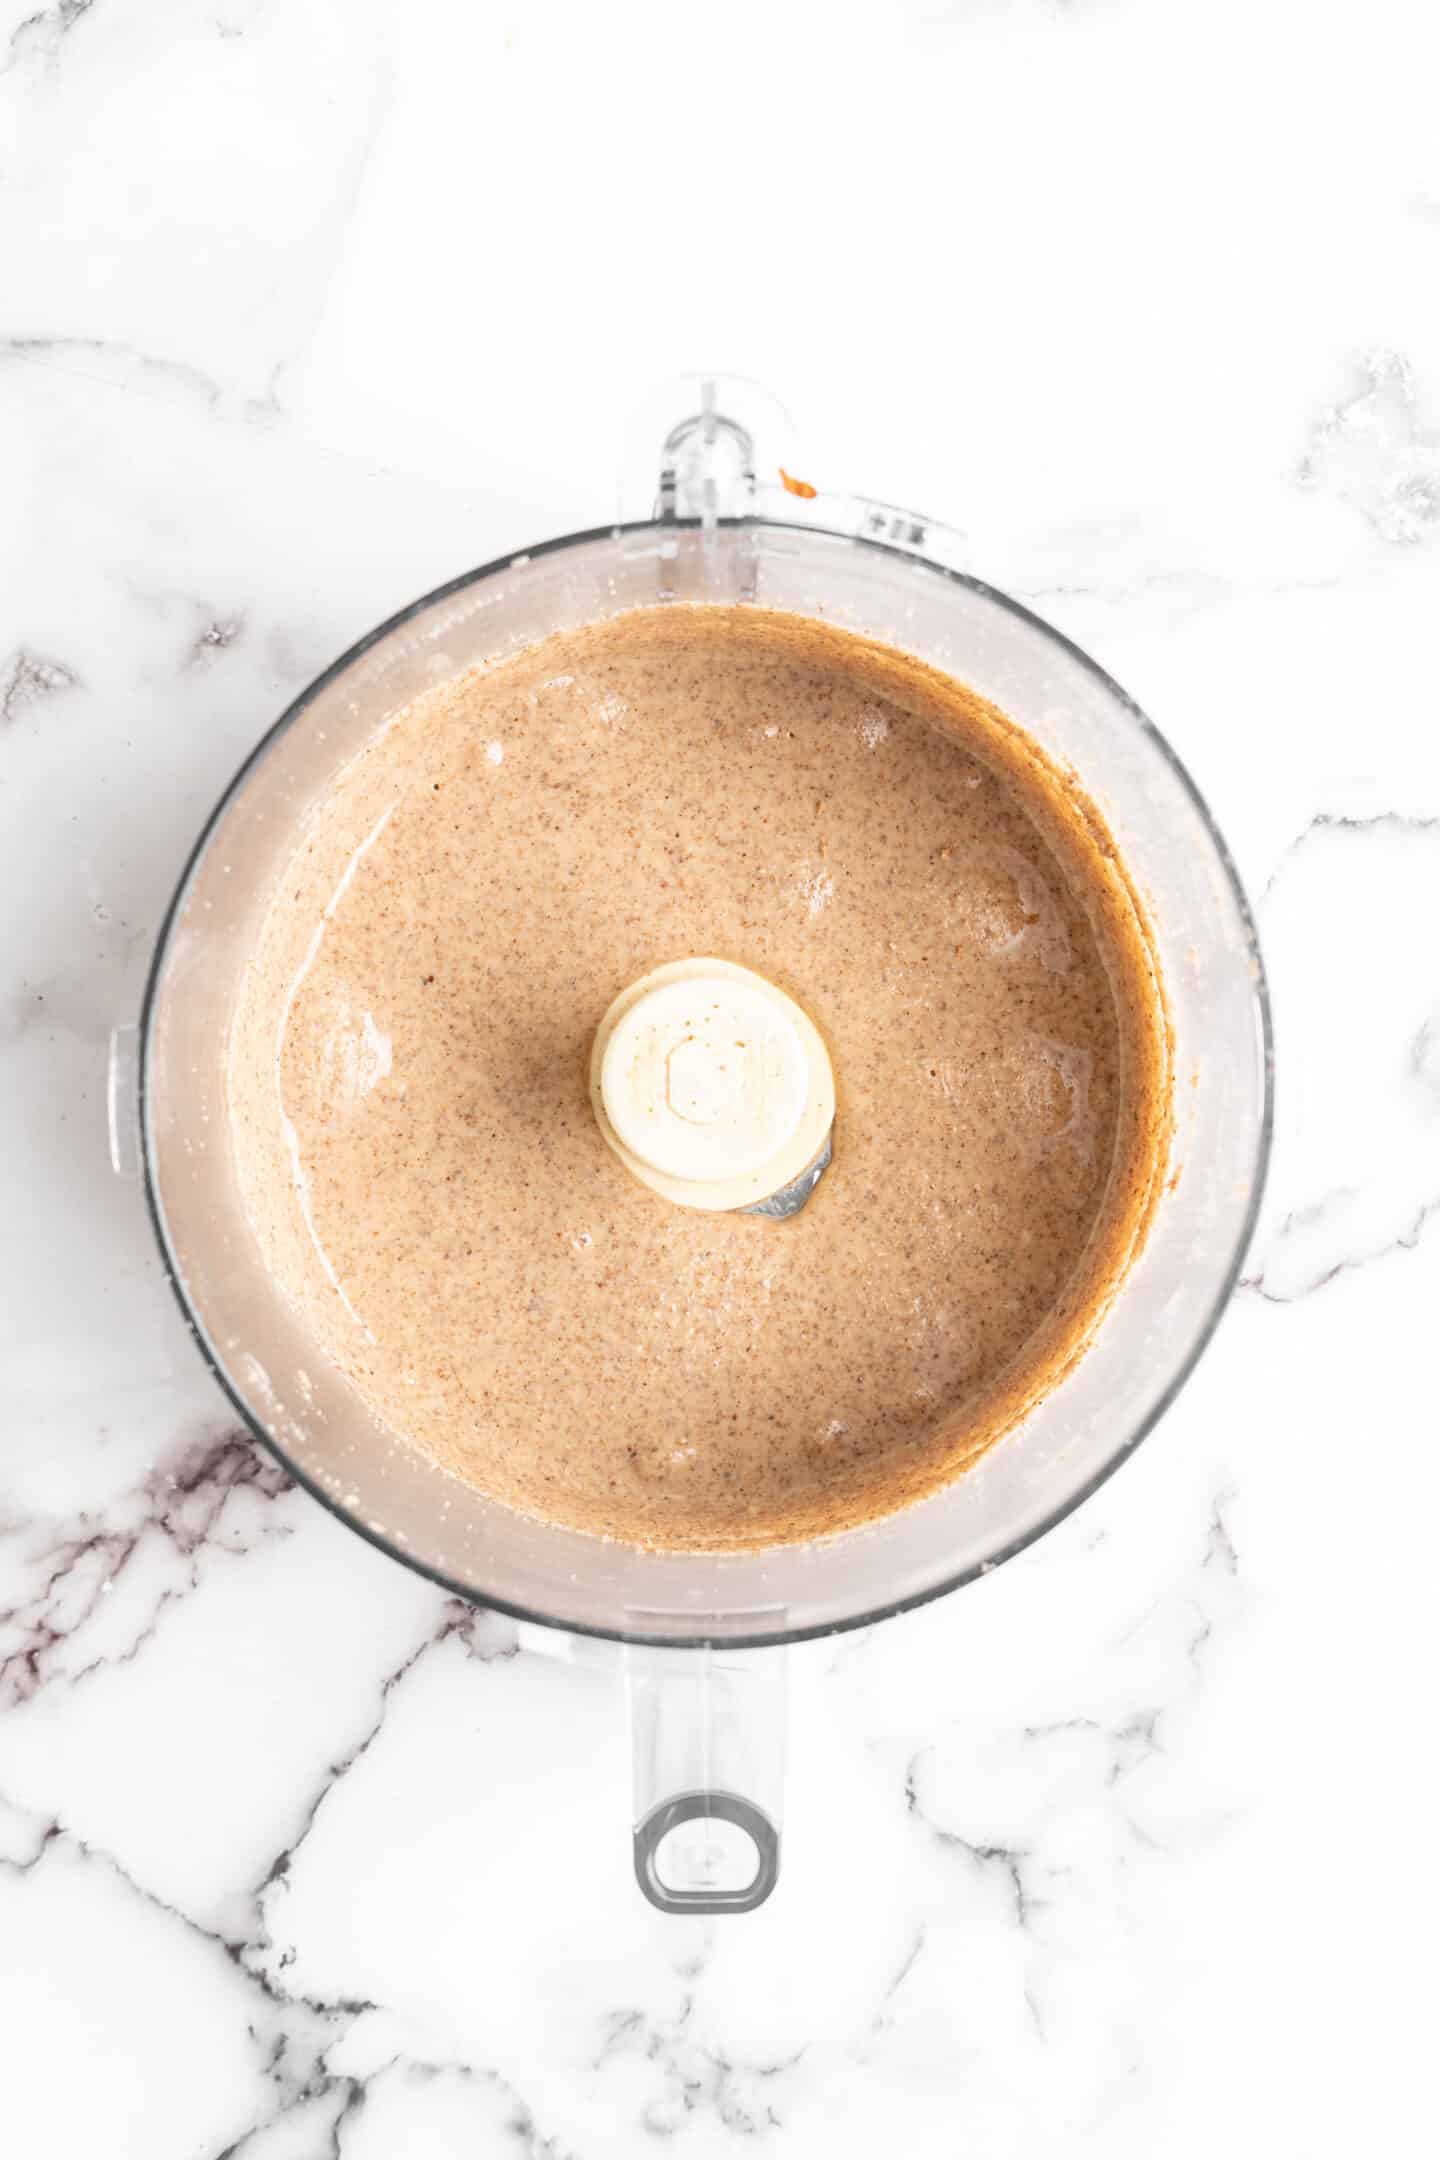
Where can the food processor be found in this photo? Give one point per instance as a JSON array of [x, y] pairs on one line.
[[703, 1633]]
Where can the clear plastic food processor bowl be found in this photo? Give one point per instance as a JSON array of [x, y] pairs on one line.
[[705, 1692]]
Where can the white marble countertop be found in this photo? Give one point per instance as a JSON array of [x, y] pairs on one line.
[[1128, 1849]]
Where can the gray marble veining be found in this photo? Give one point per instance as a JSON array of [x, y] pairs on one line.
[[308, 308]]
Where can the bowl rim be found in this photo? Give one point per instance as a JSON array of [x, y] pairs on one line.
[[517, 558]]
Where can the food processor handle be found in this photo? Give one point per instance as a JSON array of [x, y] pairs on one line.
[[707, 1734]]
